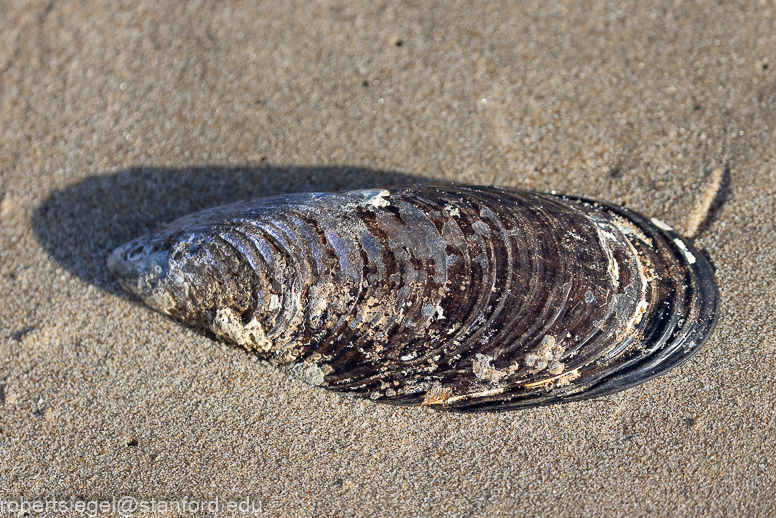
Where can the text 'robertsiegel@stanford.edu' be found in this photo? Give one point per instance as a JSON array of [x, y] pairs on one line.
[[129, 506]]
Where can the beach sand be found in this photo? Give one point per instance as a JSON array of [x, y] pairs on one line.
[[116, 117]]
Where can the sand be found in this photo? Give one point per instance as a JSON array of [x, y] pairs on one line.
[[118, 116]]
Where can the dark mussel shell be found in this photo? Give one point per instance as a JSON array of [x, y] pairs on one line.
[[460, 297]]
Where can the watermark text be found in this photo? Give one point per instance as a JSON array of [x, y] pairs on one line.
[[128, 506]]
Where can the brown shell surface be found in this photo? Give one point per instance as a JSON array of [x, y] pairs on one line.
[[460, 297]]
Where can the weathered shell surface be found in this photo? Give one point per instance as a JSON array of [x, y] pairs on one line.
[[472, 298]]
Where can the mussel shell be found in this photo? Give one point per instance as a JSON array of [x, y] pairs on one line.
[[460, 297]]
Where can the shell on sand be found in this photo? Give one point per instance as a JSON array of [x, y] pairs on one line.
[[460, 297]]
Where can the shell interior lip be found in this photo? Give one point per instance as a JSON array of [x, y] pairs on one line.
[[458, 297]]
